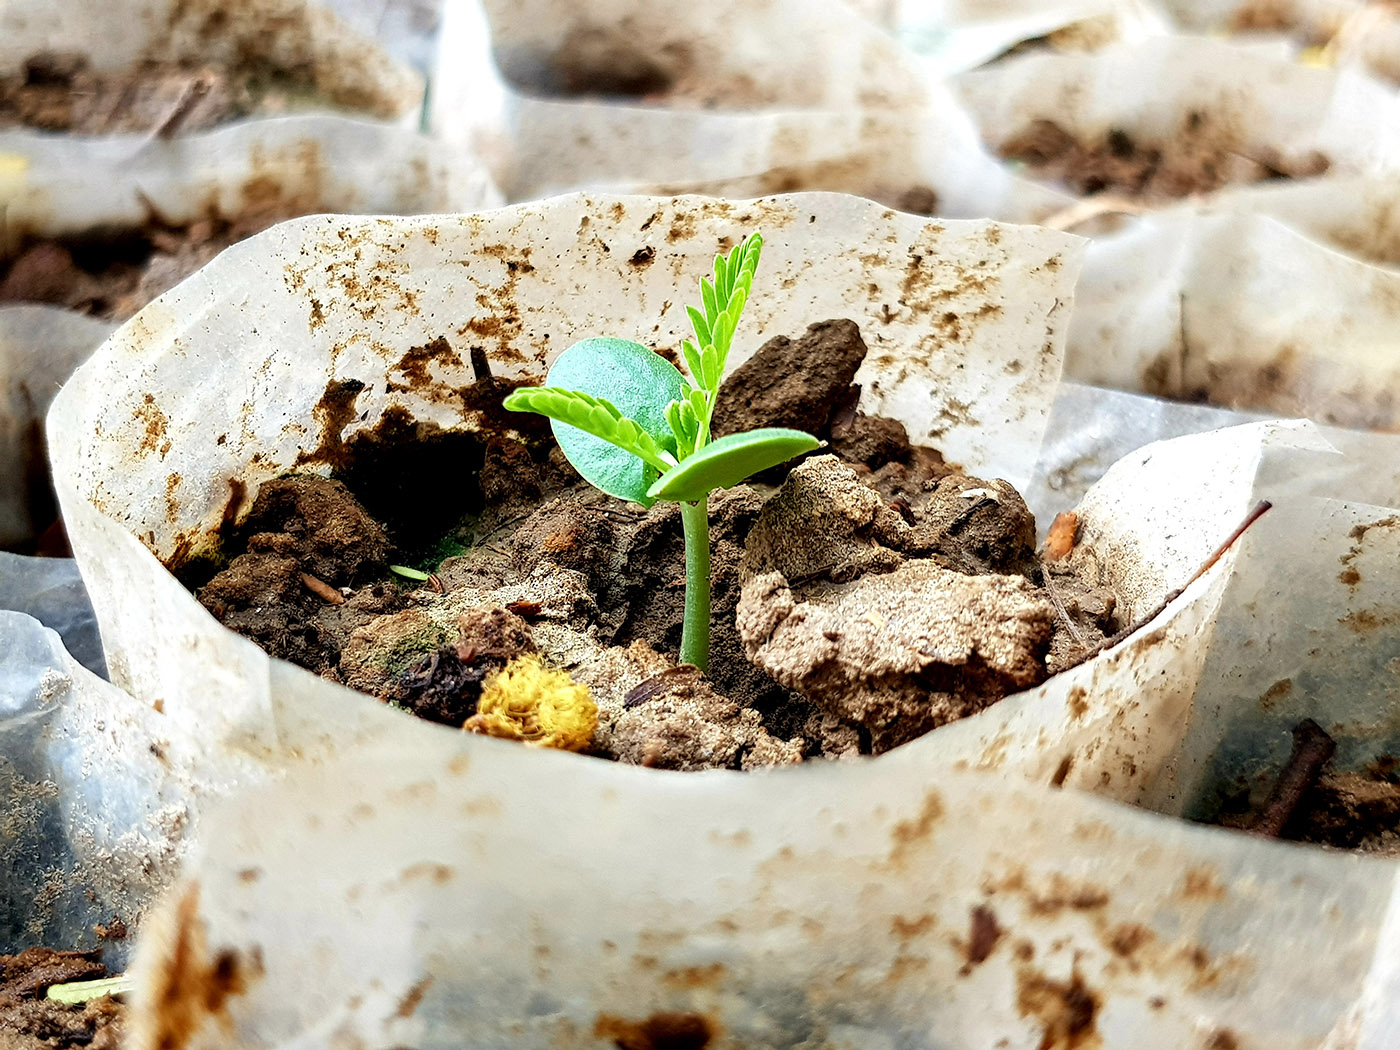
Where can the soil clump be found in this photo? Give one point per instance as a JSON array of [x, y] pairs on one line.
[[29, 1021], [1201, 158], [879, 593]]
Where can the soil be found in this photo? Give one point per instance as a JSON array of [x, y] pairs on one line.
[[1200, 158], [115, 276], [57, 91], [839, 599], [1354, 810], [28, 1021]]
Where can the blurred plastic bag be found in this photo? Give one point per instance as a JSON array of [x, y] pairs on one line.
[[1196, 97], [1231, 301], [841, 108], [95, 797], [1340, 32], [73, 184], [296, 40], [39, 348], [958, 35]]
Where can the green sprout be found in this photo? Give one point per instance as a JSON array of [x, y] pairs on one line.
[[634, 426]]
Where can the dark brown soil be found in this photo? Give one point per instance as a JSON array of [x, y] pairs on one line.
[[535, 561], [113, 277], [59, 92], [28, 1021], [1202, 157]]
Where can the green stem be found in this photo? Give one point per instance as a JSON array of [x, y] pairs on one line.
[[695, 634]]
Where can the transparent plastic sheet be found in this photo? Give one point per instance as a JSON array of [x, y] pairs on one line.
[[1188, 302], [282, 37], [449, 893], [1091, 429], [94, 796], [39, 348], [52, 591], [859, 116], [1287, 116]]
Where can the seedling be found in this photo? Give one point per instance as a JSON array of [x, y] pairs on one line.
[[634, 426]]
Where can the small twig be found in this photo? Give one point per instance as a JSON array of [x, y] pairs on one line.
[[194, 90], [656, 684], [322, 590], [481, 538], [1091, 208], [1312, 749], [1108, 643], [1185, 346], [481, 364], [1055, 599]]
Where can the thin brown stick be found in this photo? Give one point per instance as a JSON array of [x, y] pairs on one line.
[[1312, 749], [1060, 609], [321, 589], [194, 90], [1254, 515]]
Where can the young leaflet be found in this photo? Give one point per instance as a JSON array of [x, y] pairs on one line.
[[634, 426]]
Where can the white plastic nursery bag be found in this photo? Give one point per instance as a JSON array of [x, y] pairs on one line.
[[279, 38], [1339, 32], [155, 454], [952, 36]]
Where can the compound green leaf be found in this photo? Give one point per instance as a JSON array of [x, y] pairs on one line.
[[729, 461]]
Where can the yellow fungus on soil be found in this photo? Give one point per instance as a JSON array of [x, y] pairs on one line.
[[544, 707]]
